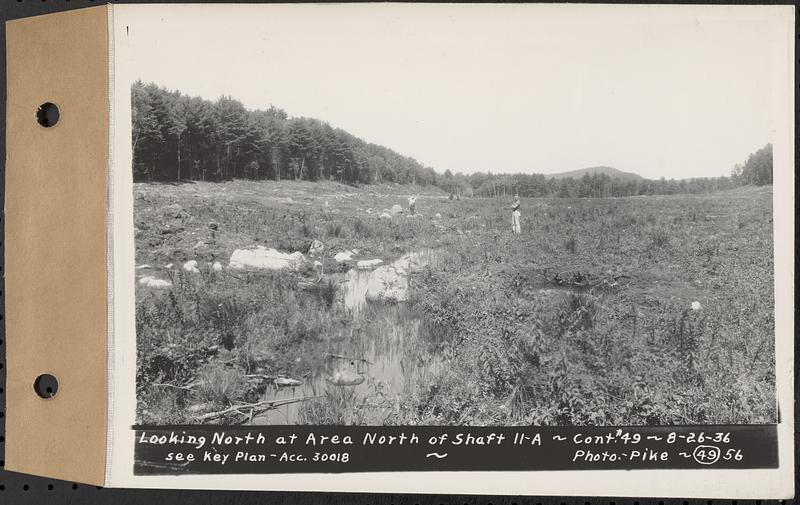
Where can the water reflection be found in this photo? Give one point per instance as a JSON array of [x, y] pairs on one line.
[[384, 356]]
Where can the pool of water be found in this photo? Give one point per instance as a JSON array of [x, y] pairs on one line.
[[384, 355]]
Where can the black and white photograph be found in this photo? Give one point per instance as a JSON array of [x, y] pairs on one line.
[[452, 219]]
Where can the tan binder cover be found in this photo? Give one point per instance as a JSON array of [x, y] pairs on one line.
[[55, 274]]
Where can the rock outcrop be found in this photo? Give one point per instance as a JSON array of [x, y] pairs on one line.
[[261, 257]]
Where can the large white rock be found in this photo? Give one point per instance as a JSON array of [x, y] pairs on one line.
[[343, 256], [261, 257], [217, 266], [369, 263], [191, 267], [396, 210], [152, 282]]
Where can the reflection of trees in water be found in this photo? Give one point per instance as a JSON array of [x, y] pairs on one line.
[[364, 371]]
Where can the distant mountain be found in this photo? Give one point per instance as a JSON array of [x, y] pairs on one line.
[[609, 171]]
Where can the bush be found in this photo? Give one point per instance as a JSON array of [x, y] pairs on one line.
[[220, 385], [362, 229], [571, 245], [578, 312], [335, 230], [659, 238]]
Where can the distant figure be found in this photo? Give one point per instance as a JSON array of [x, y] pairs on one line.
[[412, 205], [452, 195], [515, 215]]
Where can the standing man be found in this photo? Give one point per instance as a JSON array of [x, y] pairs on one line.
[[515, 214], [412, 205]]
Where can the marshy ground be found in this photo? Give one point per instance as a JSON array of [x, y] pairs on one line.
[[640, 310]]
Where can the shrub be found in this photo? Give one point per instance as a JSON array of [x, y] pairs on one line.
[[362, 229], [220, 385], [160, 405], [225, 314], [339, 406], [578, 311], [571, 245], [659, 238], [307, 229], [335, 230]]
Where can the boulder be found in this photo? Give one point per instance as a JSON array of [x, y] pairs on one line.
[[216, 266], [385, 215], [369, 263], [152, 282], [191, 267], [343, 256], [261, 257], [396, 210]]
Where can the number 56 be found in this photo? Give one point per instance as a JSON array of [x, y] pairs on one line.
[[733, 454]]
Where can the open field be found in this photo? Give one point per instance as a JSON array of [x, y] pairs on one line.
[[640, 310]]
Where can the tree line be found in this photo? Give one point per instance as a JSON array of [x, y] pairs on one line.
[[177, 137], [597, 185], [757, 170]]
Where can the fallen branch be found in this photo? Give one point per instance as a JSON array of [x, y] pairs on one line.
[[261, 376], [188, 387], [256, 407]]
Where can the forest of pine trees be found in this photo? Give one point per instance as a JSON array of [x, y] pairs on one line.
[[178, 138]]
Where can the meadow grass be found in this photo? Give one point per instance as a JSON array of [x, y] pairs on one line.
[[585, 318]]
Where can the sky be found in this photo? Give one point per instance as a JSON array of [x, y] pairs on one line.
[[680, 91]]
